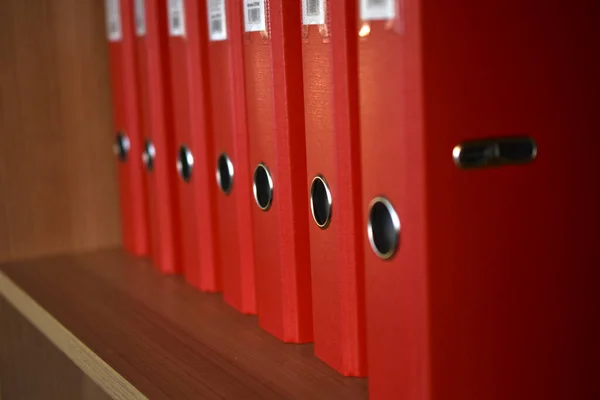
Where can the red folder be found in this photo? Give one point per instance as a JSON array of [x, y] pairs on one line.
[[159, 142], [193, 131], [333, 165], [234, 176], [480, 185], [128, 138], [273, 64]]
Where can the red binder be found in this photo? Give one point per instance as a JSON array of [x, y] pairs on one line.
[[273, 64], [128, 139], [193, 131], [333, 165], [159, 142], [478, 141], [234, 176]]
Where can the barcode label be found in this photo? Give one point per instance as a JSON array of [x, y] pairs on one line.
[[377, 9], [140, 17], [254, 15], [176, 18], [313, 12], [113, 20], [217, 20]]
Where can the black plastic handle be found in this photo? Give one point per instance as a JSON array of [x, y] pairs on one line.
[[494, 152]]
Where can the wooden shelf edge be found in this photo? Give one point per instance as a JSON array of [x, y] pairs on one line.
[[137, 333], [89, 362]]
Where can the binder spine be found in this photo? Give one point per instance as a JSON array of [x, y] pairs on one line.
[[159, 151], [393, 180], [128, 139], [333, 161], [277, 152], [241, 151], [291, 163], [232, 166], [193, 129]]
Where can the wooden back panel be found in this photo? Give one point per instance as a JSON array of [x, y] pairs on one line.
[[58, 188]]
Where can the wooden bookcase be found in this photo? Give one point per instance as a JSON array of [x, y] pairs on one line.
[[79, 319]]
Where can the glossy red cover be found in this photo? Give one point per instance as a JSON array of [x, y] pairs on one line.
[[157, 125], [275, 109], [132, 184], [332, 150], [193, 128], [228, 99], [490, 294]]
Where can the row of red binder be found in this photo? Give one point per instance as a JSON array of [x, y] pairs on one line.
[[365, 175]]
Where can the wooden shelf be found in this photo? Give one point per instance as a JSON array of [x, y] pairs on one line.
[[138, 333]]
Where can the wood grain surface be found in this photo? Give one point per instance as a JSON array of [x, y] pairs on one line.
[[58, 188], [169, 340], [31, 367], [63, 340]]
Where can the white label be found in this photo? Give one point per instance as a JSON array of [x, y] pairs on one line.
[[140, 17], [313, 12], [113, 20], [377, 9], [254, 15], [176, 18], [217, 20]]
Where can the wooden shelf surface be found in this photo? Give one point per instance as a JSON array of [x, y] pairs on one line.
[[128, 324]]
